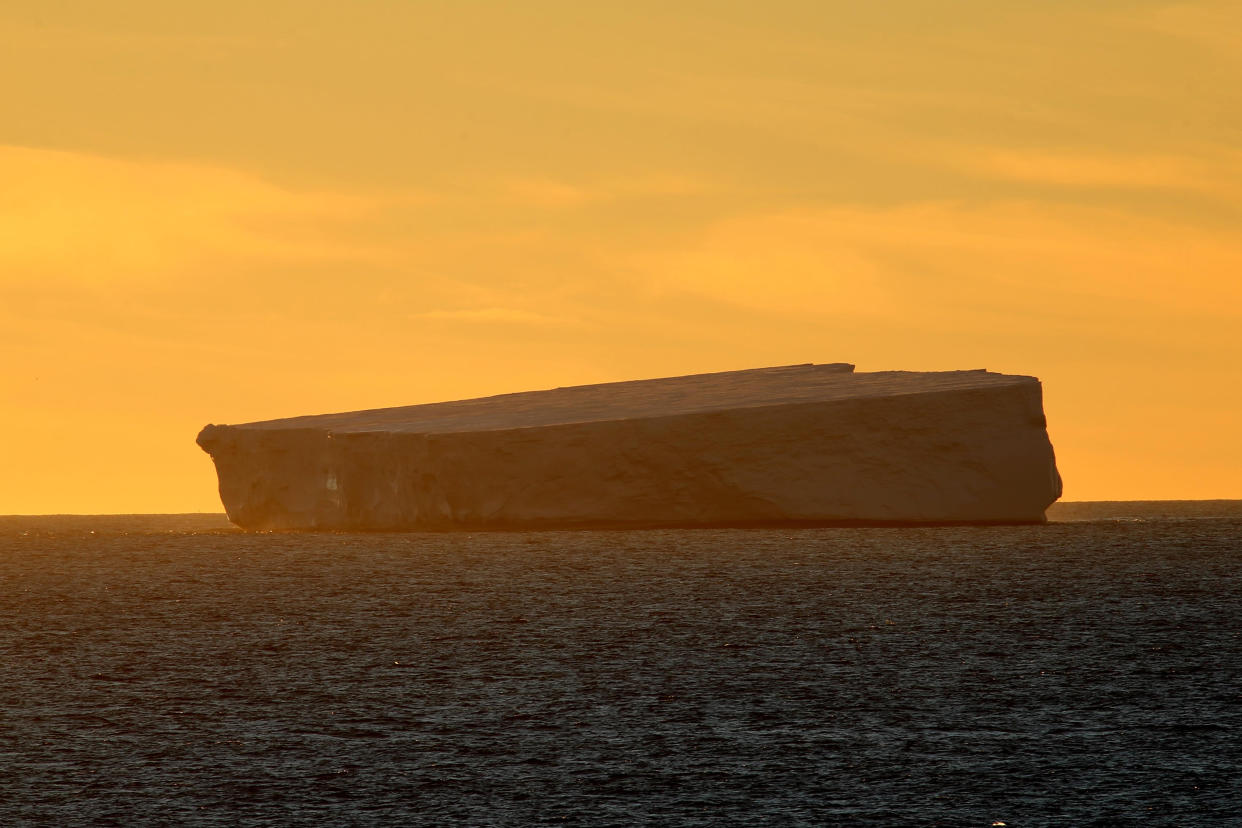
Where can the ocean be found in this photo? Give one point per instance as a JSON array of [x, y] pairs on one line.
[[170, 670]]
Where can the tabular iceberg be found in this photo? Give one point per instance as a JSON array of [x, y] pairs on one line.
[[800, 444]]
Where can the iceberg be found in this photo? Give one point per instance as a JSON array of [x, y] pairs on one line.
[[792, 445]]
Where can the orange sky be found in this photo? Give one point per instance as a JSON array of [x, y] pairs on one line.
[[229, 211]]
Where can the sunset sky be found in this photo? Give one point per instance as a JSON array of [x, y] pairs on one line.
[[229, 211]]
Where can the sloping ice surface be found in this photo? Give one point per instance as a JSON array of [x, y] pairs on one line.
[[648, 398]]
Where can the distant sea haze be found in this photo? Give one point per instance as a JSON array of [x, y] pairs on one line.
[[171, 669], [1061, 512], [1143, 509]]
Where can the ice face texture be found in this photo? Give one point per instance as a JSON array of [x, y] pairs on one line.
[[801, 444]]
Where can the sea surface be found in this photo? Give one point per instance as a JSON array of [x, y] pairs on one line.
[[170, 670]]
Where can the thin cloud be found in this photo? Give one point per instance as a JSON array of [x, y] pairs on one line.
[[956, 261], [1206, 173], [545, 192], [501, 315], [68, 216]]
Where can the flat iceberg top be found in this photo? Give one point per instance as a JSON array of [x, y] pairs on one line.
[[639, 399]]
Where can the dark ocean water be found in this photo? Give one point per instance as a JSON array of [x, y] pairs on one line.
[[169, 670]]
